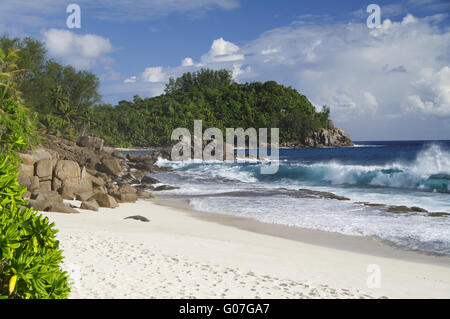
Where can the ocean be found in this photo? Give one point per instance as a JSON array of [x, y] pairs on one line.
[[409, 173]]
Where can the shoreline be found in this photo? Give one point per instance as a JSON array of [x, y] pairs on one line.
[[358, 244], [179, 255]]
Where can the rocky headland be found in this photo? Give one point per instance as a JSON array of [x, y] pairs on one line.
[[327, 137]]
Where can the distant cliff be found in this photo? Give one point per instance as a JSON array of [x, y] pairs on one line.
[[329, 137]]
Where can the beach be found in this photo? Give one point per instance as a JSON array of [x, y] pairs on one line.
[[180, 253]]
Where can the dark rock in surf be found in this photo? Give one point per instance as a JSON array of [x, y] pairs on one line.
[[165, 188]]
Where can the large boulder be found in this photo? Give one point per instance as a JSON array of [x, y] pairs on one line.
[[61, 208], [57, 184], [69, 191], [90, 205], [127, 198], [48, 196], [27, 159], [86, 185], [91, 142], [26, 170], [165, 188], [92, 162], [68, 172], [38, 204], [149, 180], [100, 189], [125, 194], [142, 194], [97, 181], [34, 184], [45, 185], [44, 169], [104, 200], [127, 189], [83, 197], [24, 181], [110, 166], [40, 154]]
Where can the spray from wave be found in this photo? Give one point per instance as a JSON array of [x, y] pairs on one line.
[[430, 171]]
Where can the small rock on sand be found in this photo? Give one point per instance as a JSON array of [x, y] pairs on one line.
[[139, 218]]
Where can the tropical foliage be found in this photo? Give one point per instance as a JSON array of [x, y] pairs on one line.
[[61, 97], [211, 96], [29, 253]]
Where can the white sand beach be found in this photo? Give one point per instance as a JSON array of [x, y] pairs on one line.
[[184, 254]]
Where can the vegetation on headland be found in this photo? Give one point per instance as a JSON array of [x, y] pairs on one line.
[[67, 104], [214, 98], [30, 257]]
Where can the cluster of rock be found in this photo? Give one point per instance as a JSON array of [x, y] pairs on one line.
[[307, 193], [405, 209], [86, 171], [329, 137]]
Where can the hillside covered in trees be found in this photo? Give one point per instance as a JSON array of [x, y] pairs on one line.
[[67, 103], [211, 96]]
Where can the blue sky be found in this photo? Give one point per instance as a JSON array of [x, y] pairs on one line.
[[381, 84]]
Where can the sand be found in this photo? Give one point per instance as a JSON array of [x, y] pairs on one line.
[[182, 254]]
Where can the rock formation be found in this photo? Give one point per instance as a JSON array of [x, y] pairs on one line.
[[61, 170], [329, 137]]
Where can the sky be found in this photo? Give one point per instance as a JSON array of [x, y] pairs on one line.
[[386, 83]]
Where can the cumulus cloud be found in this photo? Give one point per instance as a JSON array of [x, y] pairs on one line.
[[222, 51], [187, 62], [357, 71], [154, 75], [431, 93], [81, 51]]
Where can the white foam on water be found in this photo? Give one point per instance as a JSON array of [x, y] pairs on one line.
[[397, 183], [413, 231]]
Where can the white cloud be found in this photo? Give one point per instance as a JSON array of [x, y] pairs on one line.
[[187, 62], [154, 75], [432, 93], [81, 51], [132, 79], [357, 71], [222, 51], [238, 71]]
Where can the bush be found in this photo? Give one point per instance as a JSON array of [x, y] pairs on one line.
[[30, 254]]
